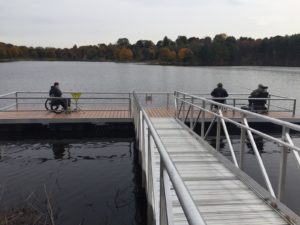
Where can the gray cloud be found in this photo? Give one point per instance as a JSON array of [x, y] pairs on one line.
[[63, 23]]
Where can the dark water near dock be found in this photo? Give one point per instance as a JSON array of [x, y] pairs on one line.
[[88, 182]]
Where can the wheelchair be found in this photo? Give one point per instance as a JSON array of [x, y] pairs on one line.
[[54, 105]]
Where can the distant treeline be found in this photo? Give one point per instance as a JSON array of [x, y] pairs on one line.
[[222, 50]]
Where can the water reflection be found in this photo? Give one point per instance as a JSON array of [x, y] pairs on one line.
[[213, 142], [59, 150], [90, 192], [259, 141]]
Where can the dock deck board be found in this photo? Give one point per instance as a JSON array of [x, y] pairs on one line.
[[115, 114], [219, 195]]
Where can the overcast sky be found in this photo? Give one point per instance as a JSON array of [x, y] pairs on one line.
[[63, 23]]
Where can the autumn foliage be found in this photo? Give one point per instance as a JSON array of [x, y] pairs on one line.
[[167, 55], [125, 54], [184, 54], [220, 50]]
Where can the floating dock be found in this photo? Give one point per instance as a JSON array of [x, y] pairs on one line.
[[186, 180]]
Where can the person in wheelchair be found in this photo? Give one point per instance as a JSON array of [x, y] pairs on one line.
[[56, 92]]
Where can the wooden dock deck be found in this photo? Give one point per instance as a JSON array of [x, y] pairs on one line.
[[110, 114], [220, 195], [220, 191]]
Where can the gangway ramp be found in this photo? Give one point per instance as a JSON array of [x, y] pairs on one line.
[[221, 197]]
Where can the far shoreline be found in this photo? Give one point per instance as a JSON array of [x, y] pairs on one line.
[[150, 63]]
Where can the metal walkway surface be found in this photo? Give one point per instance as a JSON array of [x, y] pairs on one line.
[[220, 195]]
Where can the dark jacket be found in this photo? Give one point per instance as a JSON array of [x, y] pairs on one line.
[[258, 93], [219, 92], [55, 92]]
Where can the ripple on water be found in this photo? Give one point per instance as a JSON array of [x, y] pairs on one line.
[[89, 181]]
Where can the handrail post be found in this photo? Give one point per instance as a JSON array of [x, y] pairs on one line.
[[228, 139], [150, 194], [234, 103], [242, 144], [282, 167], [162, 197], [183, 108], [269, 103], [203, 120], [294, 107], [148, 155], [17, 101], [130, 105], [192, 114], [137, 116], [218, 135], [143, 133], [259, 159], [168, 99], [140, 136], [176, 103]]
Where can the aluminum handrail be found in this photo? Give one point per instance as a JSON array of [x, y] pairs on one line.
[[289, 139], [154, 93], [285, 142], [8, 106], [230, 98], [255, 115], [259, 159], [24, 98], [37, 99], [69, 92], [127, 98], [188, 205], [249, 128], [10, 93], [228, 140]]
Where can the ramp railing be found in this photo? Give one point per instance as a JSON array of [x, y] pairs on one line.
[[148, 140], [195, 110]]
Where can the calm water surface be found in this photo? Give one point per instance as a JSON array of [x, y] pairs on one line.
[[88, 182], [84, 182], [96, 76]]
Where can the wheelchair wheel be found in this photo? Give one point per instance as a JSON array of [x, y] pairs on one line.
[[48, 104], [57, 108]]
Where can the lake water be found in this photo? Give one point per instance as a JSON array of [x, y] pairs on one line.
[[88, 182], [119, 77], [123, 77]]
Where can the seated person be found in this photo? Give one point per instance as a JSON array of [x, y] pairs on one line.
[[219, 92], [260, 92], [56, 92]]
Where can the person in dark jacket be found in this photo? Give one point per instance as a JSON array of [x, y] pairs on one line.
[[260, 92], [56, 92], [219, 92]]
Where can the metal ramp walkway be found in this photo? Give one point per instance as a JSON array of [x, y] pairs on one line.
[[187, 181], [219, 195]]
